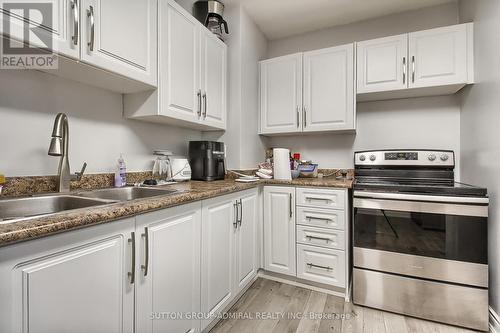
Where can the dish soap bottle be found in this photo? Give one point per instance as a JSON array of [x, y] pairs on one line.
[[120, 173]]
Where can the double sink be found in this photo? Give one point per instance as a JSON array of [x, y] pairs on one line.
[[13, 210]]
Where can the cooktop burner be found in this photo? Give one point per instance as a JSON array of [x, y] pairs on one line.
[[410, 171]]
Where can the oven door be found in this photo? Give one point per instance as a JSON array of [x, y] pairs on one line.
[[412, 234]]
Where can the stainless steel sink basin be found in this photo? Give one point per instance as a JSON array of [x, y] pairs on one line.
[[126, 193], [14, 209]]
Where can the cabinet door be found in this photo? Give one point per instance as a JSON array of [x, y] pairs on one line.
[[329, 89], [121, 36], [179, 80], [281, 94], [382, 64], [168, 275], [213, 75], [279, 229], [218, 234], [438, 56], [246, 240], [60, 28], [72, 282]]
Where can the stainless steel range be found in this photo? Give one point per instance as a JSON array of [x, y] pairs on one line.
[[419, 238]]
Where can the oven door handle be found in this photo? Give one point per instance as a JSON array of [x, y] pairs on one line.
[[421, 207], [422, 197]]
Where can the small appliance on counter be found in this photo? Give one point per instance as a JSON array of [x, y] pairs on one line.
[[181, 171], [207, 160], [210, 14]]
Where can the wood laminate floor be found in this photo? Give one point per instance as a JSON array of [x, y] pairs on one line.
[[270, 306]]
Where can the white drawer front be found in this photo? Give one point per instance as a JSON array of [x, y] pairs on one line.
[[333, 239], [321, 265], [324, 218], [321, 198]]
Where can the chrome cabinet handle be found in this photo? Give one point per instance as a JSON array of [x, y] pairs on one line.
[[328, 268], [318, 199], [413, 69], [319, 218], [305, 115], [290, 202], [298, 116], [131, 274], [235, 223], [404, 70], [241, 212], [199, 102], [319, 238], [145, 267], [76, 23], [204, 105], [90, 15]]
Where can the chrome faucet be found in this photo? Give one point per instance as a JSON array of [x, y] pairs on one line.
[[59, 147]]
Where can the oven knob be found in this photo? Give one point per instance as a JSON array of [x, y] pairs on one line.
[[362, 158], [431, 157], [444, 157], [373, 158]]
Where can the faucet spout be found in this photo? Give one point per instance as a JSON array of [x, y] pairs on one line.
[[59, 147]]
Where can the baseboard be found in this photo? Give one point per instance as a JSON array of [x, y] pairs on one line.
[[294, 282], [494, 321]]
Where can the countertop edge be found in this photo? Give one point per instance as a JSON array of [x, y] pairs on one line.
[[43, 226]]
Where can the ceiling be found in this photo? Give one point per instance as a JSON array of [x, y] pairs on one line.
[[283, 18]]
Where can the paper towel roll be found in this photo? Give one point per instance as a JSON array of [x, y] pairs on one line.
[[281, 167]]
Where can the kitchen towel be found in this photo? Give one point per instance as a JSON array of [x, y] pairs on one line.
[[281, 167]]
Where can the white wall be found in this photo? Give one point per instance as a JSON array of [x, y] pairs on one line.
[[408, 123], [432, 122], [246, 46], [29, 101], [480, 123], [426, 18]]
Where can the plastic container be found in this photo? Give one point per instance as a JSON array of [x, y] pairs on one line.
[[121, 173], [308, 170]]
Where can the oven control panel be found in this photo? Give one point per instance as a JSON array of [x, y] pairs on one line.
[[405, 157]]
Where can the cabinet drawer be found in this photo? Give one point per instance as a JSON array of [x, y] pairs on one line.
[[333, 239], [322, 198], [321, 265], [324, 218]]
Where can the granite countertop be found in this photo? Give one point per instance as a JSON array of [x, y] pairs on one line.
[[188, 192]]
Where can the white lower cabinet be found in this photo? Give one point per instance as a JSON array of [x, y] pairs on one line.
[[313, 244], [78, 281], [321, 265], [279, 229], [229, 252], [168, 269]]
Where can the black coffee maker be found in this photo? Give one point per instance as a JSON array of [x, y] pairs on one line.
[[209, 12], [207, 160]]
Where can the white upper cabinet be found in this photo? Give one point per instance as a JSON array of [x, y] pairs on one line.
[[281, 94], [179, 79], [213, 80], [329, 99], [120, 36], [308, 92], [192, 65], [63, 29], [382, 64], [424, 63], [168, 268], [438, 56]]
